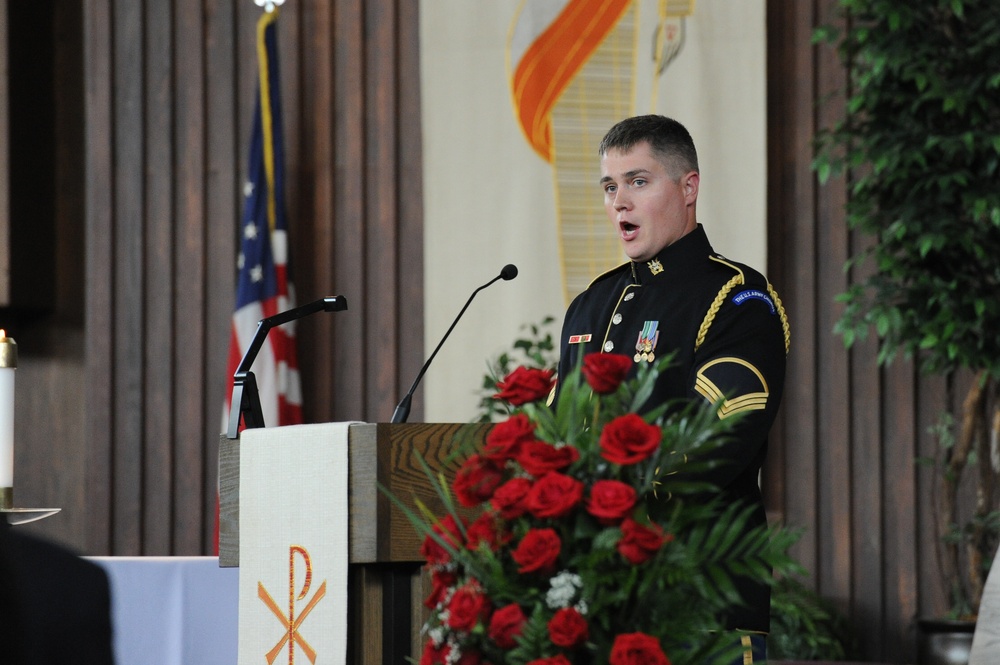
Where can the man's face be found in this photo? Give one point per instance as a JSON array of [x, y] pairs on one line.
[[650, 210]]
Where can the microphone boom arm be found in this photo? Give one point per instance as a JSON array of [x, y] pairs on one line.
[[245, 397]]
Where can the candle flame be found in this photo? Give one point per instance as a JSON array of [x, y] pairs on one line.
[[3, 333]]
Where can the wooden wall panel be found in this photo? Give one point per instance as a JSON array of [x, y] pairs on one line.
[[843, 463], [165, 115]]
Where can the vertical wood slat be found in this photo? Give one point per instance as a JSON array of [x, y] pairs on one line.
[[99, 132], [411, 222], [791, 262], [221, 207], [156, 303], [349, 242], [381, 179], [832, 246], [899, 506], [127, 361], [189, 282]]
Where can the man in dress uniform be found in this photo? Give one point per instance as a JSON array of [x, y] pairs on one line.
[[721, 319]]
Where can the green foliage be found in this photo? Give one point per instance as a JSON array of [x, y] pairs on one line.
[[535, 349], [921, 145], [806, 626]]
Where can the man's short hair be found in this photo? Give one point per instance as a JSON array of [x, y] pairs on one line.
[[668, 139]]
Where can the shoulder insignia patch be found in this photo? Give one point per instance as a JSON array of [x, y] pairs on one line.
[[738, 384], [754, 294]]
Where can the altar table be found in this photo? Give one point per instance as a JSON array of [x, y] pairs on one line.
[[173, 610]]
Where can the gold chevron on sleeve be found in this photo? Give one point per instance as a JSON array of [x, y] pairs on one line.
[[739, 377]]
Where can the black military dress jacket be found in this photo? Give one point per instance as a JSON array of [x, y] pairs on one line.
[[729, 334]]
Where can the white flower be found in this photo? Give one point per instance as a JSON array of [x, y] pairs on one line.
[[436, 635], [564, 586]]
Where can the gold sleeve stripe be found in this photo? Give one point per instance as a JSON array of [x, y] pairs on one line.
[[707, 389], [711, 392], [751, 402]]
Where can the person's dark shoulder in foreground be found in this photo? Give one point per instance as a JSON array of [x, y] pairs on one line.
[[55, 607]]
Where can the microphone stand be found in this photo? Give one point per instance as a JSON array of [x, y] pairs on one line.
[[246, 398], [402, 411]]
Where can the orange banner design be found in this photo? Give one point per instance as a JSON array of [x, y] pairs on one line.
[[291, 623], [553, 59]]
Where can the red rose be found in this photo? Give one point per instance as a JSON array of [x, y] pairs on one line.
[[449, 531], [568, 628], [505, 439], [486, 530], [470, 657], [553, 495], [509, 498], [475, 481], [525, 385], [637, 649], [434, 655], [441, 583], [610, 501], [466, 608], [506, 624], [629, 439], [439, 655], [605, 371], [639, 543], [554, 660], [538, 457], [538, 551]]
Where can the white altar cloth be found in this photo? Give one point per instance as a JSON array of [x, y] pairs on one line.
[[173, 610]]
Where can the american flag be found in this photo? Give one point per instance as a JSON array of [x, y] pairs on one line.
[[264, 287]]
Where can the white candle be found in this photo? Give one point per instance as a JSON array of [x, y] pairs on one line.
[[8, 365]]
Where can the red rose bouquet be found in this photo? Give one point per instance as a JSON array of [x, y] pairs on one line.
[[585, 549]]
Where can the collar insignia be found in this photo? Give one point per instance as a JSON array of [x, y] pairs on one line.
[[655, 267]]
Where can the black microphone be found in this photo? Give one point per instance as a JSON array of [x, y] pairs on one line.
[[246, 399], [402, 411]]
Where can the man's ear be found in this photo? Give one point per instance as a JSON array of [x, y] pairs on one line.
[[690, 184]]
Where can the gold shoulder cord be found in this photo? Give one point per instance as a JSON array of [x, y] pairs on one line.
[[721, 297], [714, 309], [784, 318]]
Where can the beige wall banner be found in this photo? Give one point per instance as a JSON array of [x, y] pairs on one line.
[[510, 163]]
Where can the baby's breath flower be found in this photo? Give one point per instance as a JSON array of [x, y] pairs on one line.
[[563, 589], [436, 635], [454, 654]]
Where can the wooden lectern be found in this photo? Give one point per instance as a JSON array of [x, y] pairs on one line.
[[385, 585]]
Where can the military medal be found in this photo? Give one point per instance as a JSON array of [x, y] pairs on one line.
[[655, 266], [647, 342]]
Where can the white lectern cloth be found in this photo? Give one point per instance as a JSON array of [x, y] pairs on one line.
[[293, 544]]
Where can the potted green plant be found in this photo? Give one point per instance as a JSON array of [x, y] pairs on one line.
[[920, 144], [806, 626]]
